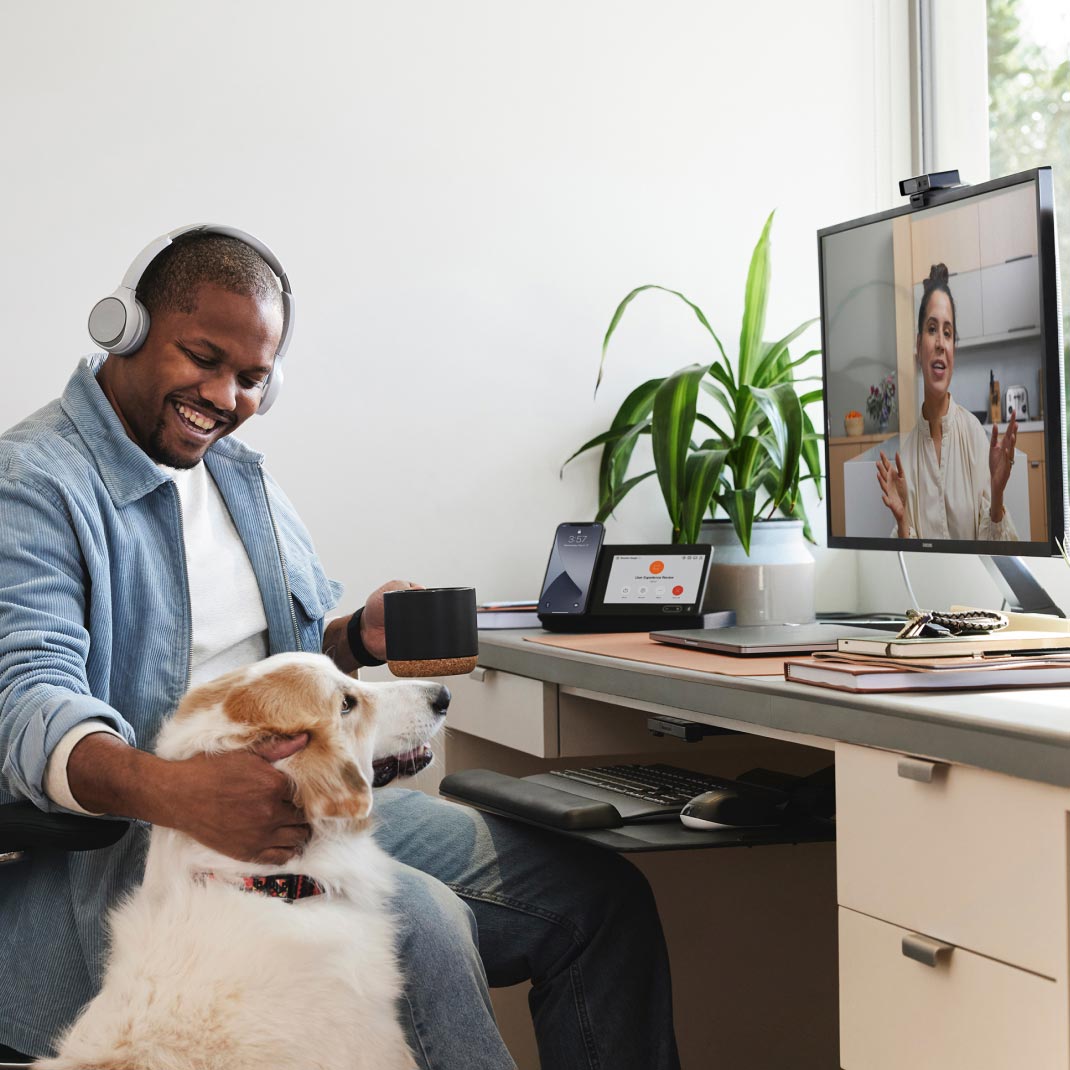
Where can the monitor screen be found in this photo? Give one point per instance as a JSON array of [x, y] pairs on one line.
[[943, 373]]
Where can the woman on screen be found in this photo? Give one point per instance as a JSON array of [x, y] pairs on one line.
[[949, 477]]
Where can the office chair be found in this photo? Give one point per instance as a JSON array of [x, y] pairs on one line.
[[24, 828]]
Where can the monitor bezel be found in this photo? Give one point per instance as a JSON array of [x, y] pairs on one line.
[[1054, 378]]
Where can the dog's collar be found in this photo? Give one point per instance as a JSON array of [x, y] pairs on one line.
[[285, 886]]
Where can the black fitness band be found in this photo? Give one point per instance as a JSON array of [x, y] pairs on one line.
[[357, 648]]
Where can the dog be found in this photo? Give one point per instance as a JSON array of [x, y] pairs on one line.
[[203, 975]]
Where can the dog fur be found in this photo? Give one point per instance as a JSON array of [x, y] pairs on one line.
[[204, 976]]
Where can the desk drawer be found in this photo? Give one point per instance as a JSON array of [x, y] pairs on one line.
[[504, 708], [971, 857], [964, 1011]]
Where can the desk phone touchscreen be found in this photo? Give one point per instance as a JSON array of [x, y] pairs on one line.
[[637, 588]]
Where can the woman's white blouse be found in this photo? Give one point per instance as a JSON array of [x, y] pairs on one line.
[[950, 498]]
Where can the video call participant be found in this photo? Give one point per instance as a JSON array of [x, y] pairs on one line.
[[144, 548], [949, 476]]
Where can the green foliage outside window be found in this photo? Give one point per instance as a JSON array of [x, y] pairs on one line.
[[1029, 112]]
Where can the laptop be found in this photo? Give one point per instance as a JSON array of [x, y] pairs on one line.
[[768, 638]]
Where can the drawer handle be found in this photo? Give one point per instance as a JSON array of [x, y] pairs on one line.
[[919, 769], [925, 949], [480, 674]]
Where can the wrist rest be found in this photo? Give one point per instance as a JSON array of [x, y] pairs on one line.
[[532, 802]]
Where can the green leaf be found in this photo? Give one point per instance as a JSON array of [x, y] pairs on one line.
[[781, 407], [769, 368], [742, 459], [739, 505], [598, 440], [811, 397], [723, 437], [719, 396], [755, 299], [798, 512], [635, 408], [615, 458], [704, 468], [811, 452], [674, 417], [700, 315], [605, 508], [723, 373]]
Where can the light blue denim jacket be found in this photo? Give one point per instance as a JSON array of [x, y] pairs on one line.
[[95, 623]]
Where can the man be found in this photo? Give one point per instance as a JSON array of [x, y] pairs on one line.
[[142, 548]]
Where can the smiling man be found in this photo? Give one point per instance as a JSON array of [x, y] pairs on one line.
[[144, 549], [203, 367]]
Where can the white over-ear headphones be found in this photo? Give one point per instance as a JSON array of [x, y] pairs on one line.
[[119, 323]]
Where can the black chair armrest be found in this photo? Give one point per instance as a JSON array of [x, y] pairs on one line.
[[23, 828]]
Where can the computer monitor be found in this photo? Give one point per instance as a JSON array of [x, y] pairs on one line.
[[946, 318]]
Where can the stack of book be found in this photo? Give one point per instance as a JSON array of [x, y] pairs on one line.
[[507, 615], [1034, 651]]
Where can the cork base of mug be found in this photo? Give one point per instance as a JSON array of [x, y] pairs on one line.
[[433, 667]]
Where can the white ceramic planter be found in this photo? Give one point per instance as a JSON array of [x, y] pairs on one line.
[[773, 585]]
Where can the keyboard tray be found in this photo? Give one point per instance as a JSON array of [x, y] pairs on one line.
[[599, 823]]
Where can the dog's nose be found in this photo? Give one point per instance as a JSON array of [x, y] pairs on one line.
[[441, 700]]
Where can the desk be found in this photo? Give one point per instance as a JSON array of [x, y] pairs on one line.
[[947, 887]]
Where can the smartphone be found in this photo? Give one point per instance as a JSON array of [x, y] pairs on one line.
[[567, 584]]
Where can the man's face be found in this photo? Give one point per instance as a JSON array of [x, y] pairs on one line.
[[197, 377]]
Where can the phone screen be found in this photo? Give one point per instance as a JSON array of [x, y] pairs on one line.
[[568, 576]]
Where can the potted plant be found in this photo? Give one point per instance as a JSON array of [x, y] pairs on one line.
[[745, 459]]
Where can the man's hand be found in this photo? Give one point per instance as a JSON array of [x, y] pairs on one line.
[[893, 484], [237, 803], [372, 631]]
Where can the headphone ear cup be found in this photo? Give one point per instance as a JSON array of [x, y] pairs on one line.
[[137, 329], [119, 323], [273, 388]]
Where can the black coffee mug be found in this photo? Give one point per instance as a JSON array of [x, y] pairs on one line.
[[431, 632]]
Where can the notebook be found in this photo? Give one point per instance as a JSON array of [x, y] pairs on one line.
[[928, 674]]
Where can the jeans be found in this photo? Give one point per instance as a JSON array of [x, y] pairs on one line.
[[577, 921]]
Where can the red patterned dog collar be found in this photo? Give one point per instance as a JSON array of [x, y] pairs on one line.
[[285, 886]]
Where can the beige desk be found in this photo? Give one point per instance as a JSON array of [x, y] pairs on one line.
[[946, 892]]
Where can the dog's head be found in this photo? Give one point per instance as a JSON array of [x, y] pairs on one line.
[[357, 732]]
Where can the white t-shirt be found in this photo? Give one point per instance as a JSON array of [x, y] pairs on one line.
[[229, 622], [950, 498]]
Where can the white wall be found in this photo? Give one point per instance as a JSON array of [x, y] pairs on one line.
[[461, 193]]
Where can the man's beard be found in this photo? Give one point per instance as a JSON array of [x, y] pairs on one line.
[[159, 452]]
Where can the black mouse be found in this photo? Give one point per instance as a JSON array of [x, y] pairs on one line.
[[729, 808]]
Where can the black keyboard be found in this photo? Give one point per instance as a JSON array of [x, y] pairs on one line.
[[656, 790]]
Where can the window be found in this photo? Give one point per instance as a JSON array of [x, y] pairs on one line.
[[1029, 104]]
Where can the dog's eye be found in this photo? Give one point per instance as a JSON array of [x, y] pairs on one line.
[[348, 702]]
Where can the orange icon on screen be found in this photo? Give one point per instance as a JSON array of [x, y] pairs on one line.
[[657, 567], [678, 590]]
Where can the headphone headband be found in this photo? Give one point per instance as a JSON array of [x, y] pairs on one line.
[[119, 323]]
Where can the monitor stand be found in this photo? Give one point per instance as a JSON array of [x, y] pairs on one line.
[[1019, 587]]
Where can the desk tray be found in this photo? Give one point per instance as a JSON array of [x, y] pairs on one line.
[[566, 814]]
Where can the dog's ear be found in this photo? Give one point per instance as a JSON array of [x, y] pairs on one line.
[[328, 783]]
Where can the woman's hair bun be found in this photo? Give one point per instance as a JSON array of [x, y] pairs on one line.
[[938, 276]]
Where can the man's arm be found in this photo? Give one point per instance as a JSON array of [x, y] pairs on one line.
[[237, 803], [44, 641], [360, 639]]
